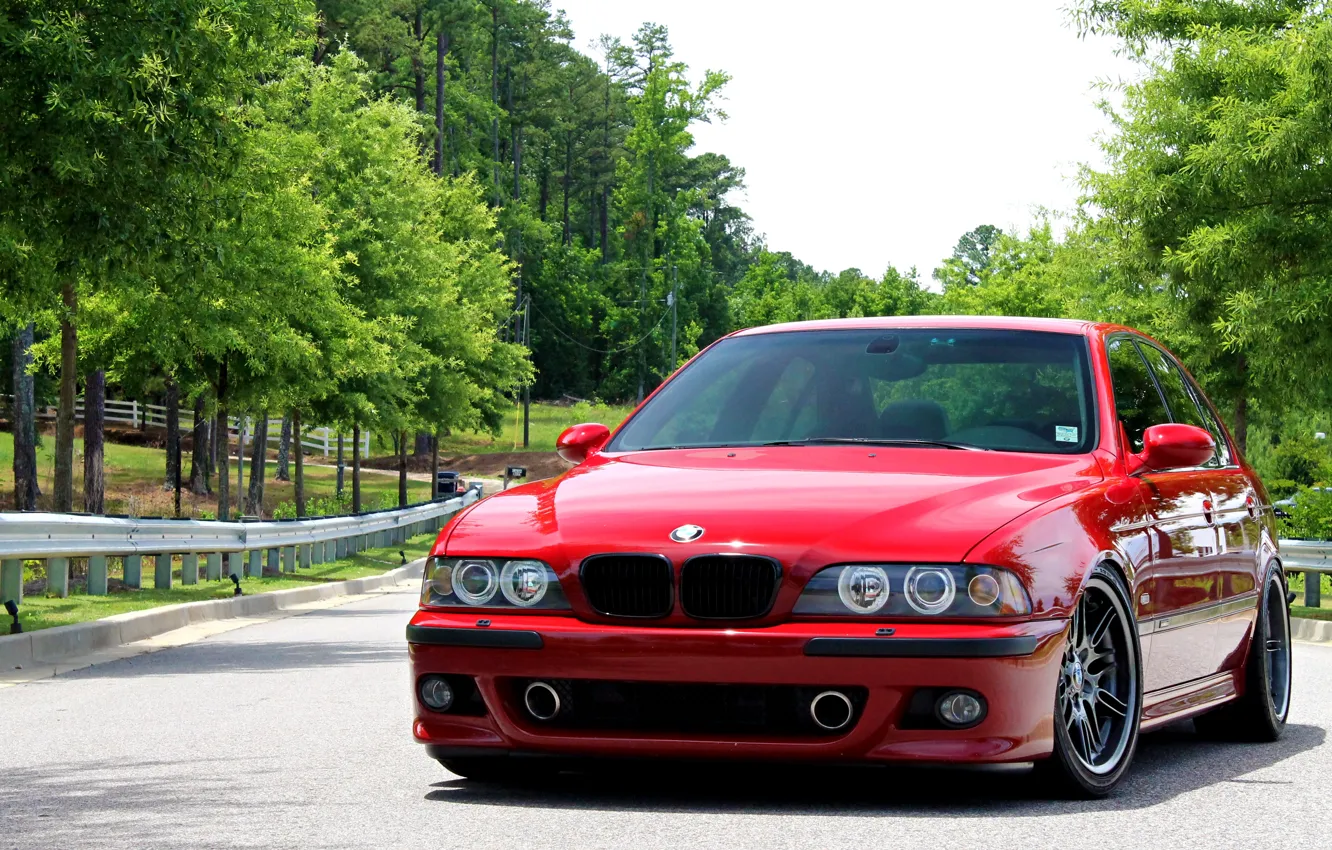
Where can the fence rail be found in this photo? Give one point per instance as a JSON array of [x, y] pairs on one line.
[[248, 547], [1313, 558], [136, 415]]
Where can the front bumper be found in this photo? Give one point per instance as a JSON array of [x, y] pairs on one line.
[[1015, 667]]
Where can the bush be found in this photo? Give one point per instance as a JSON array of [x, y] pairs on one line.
[[1310, 516]]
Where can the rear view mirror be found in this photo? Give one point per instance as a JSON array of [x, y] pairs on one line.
[[1175, 446], [579, 441]]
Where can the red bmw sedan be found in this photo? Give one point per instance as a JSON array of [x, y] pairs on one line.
[[930, 539]]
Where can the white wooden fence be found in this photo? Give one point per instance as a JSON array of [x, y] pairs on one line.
[[134, 414]]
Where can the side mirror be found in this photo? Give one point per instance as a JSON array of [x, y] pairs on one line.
[[579, 441], [1175, 446]]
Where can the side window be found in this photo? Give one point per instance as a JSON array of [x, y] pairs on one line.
[[1213, 424], [1183, 407], [1137, 402]]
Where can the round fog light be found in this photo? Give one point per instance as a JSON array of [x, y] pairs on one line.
[[436, 693], [960, 709]]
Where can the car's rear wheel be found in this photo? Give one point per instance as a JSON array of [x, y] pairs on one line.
[[1260, 714], [1098, 700]]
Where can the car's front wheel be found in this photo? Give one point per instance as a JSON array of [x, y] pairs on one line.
[[1098, 699]]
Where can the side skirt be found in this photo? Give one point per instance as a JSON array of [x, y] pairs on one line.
[[1176, 703]]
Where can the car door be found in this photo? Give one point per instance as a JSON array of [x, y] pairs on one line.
[[1239, 522], [1180, 578], [1191, 636]]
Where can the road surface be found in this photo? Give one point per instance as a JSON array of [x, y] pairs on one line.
[[295, 733]]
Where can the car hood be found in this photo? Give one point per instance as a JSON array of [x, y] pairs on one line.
[[807, 505]]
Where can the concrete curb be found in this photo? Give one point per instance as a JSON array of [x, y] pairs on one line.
[[1311, 631], [48, 646]]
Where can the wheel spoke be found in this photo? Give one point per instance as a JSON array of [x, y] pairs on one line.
[[1111, 702], [1093, 734], [1099, 632]]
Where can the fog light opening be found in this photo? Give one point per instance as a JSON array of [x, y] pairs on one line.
[[542, 700], [436, 693], [831, 710], [960, 709]]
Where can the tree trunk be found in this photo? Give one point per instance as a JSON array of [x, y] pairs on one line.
[[223, 442], [356, 469], [63, 497], [258, 456], [568, 166], [342, 465], [300, 462], [199, 453], [172, 434], [284, 452], [24, 424], [434, 466], [94, 421], [402, 471], [494, 98], [418, 67], [240, 465], [441, 52]]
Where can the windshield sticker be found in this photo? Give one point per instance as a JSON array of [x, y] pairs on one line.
[[1066, 434]]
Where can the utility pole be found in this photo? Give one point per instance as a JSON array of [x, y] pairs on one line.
[[527, 388], [675, 314]]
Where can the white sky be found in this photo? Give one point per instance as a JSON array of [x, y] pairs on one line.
[[876, 133]]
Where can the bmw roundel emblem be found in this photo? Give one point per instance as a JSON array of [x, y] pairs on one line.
[[687, 533]]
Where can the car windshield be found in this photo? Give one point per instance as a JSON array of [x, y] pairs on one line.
[[999, 390]]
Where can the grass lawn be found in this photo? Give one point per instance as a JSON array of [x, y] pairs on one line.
[[41, 612], [547, 421], [134, 476]]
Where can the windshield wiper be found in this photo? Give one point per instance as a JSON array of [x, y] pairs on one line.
[[872, 441]]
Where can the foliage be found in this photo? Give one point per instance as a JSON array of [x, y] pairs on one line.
[[1310, 516]]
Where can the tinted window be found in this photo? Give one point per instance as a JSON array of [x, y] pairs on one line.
[[1137, 402], [996, 389], [1183, 406]]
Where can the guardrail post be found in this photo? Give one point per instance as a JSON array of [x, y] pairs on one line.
[[189, 568], [57, 576], [236, 564], [340, 550], [317, 552], [97, 575], [11, 580], [256, 563], [213, 571], [305, 554], [330, 551], [1313, 589], [273, 566], [162, 572], [132, 571], [289, 559]]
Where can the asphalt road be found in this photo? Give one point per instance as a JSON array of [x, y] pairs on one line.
[[295, 733]]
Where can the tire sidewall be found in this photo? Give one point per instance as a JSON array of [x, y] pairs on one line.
[[1098, 784], [1259, 677]]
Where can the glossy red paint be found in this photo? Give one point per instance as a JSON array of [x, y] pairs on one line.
[[1186, 541], [576, 443], [1174, 446]]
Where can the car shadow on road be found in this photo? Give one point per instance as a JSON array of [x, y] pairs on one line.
[[1169, 762]]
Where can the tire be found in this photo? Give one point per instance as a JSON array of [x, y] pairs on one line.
[[1260, 713], [1098, 699], [500, 769]]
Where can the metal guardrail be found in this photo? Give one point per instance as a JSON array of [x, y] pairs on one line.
[[285, 545], [1313, 558]]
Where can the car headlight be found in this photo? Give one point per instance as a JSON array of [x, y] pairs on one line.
[[913, 590], [491, 583]]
